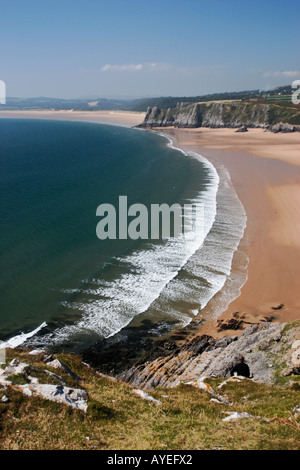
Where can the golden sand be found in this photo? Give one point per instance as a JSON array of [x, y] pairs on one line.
[[265, 171]]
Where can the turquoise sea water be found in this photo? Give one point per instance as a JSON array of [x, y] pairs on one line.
[[54, 269]]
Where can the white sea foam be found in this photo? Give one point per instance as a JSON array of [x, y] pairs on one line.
[[17, 340], [113, 304], [175, 279], [116, 302], [209, 271]]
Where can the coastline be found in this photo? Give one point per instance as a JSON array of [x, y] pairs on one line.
[[118, 118], [264, 170]]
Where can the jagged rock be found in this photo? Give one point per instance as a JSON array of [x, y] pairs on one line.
[[235, 378], [202, 385], [291, 371], [279, 307], [296, 358], [198, 345], [296, 344], [224, 342], [282, 128], [14, 367], [235, 415], [238, 115], [36, 352], [76, 398], [132, 344], [215, 400], [232, 324], [242, 129], [296, 411], [4, 399], [47, 358], [190, 116], [145, 396], [56, 364], [205, 356]]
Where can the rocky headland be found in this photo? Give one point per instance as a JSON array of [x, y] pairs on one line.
[[236, 114], [266, 347], [271, 349]]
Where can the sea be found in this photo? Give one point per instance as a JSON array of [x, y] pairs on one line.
[[60, 285]]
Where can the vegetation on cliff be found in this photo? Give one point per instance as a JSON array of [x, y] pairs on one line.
[[234, 114], [117, 418]]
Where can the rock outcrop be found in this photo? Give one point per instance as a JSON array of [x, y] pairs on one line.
[[181, 116], [264, 345], [74, 397], [285, 128], [237, 115]]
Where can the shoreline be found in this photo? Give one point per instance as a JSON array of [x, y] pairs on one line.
[[264, 170], [118, 118], [236, 217]]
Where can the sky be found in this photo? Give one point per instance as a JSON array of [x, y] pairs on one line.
[[144, 48]]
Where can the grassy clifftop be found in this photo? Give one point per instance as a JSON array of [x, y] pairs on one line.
[[117, 418]]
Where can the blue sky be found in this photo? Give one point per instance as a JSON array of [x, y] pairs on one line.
[[136, 48]]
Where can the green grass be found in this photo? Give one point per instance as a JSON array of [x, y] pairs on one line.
[[18, 379], [118, 419]]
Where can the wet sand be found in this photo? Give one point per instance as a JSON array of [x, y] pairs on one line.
[[265, 172]]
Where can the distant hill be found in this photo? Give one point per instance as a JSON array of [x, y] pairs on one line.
[[280, 94], [43, 103]]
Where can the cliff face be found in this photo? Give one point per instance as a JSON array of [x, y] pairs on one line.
[[272, 352], [225, 114], [181, 116]]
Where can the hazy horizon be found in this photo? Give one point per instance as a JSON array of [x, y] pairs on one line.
[[132, 97]]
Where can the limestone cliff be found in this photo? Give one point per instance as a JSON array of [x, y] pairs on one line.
[[225, 114]]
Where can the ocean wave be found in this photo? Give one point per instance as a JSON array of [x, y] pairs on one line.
[[17, 340], [113, 304], [173, 280], [206, 283]]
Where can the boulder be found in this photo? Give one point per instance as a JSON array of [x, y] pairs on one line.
[[242, 129], [76, 398]]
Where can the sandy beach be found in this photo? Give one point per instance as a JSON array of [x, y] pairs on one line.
[[119, 118], [265, 172]]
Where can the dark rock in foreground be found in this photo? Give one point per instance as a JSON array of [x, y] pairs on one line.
[[263, 345], [130, 345]]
